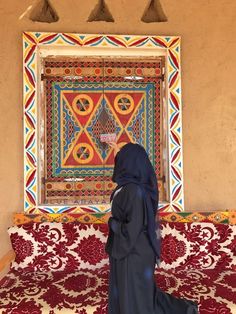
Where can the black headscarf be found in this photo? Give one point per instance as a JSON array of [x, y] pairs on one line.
[[132, 165]]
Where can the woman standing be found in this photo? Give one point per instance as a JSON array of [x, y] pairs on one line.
[[133, 243]]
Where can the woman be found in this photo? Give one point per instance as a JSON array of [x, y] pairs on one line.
[[133, 244]]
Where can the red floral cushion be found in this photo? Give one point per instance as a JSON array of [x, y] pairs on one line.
[[85, 291], [58, 246], [198, 246], [54, 292], [213, 290], [66, 268], [66, 246]]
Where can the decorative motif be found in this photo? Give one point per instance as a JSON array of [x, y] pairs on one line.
[[214, 216], [82, 104], [170, 46], [95, 218], [85, 291], [74, 148], [232, 217], [197, 246], [91, 249], [172, 249], [100, 218], [203, 270], [85, 147], [83, 153], [79, 291], [65, 245], [200, 285], [58, 246], [124, 104], [22, 247]]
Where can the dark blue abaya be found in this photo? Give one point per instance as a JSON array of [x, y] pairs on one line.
[[133, 245]]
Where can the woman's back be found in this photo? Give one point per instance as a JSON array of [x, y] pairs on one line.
[[128, 206], [132, 244]]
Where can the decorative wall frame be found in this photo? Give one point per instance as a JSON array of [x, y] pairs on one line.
[[37, 44]]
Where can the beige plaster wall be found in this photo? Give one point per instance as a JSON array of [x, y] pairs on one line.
[[208, 30]]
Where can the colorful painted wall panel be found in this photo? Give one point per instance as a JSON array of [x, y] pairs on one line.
[[33, 44], [106, 97]]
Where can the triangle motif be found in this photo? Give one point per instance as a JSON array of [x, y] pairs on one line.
[[101, 13], [154, 13], [82, 105], [124, 105], [82, 153]]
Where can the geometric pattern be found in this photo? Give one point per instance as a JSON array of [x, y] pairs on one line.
[[79, 111], [168, 46], [103, 115], [223, 217]]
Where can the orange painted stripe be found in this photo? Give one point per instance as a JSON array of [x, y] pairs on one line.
[[6, 259]]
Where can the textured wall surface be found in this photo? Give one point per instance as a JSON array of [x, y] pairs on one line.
[[208, 30]]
